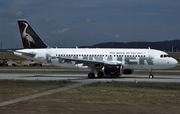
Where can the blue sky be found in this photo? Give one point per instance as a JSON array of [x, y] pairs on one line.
[[88, 22]]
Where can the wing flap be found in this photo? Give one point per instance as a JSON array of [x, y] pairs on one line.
[[84, 61], [90, 63]]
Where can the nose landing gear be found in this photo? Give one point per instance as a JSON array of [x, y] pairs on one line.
[[150, 74]]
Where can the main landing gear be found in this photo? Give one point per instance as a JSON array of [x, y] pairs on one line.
[[91, 75], [150, 74], [99, 74]]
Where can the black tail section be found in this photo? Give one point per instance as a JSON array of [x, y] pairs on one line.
[[29, 37]]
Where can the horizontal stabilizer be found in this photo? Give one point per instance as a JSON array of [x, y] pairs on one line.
[[29, 54]]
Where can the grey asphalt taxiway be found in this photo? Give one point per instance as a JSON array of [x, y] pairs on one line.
[[85, 79]]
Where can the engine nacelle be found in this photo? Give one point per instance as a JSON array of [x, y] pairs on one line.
[[128, 71], [113, 69]]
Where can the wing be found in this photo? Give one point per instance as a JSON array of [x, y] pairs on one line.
[[89, 63], [85, 62]]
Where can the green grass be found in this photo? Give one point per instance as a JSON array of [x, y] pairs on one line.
[[10, 55], [10, 89], [97, 92], [122, 93], [147, 85]]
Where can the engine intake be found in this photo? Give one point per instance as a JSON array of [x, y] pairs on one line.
[[113, 69]]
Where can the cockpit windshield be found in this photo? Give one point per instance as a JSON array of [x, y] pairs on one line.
[[164, 56]]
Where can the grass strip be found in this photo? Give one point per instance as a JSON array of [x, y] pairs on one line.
[[121, 93], [10, 89], [98, 92]]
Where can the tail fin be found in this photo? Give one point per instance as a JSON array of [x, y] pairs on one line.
[[29, 37]]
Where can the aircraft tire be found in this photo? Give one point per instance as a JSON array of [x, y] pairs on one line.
[[151, 76], [100, 74], [91, 75]]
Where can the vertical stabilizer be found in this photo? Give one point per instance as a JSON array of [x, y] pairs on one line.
[[29, 37]]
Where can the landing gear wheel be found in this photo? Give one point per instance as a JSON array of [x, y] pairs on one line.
[[91, 75], [151, 76], [100, 74], [150, 73]]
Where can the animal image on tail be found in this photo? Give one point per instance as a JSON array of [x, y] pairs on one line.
[[29, 37]]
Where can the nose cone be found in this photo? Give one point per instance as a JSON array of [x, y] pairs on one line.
[[173, 62], [176, 62]]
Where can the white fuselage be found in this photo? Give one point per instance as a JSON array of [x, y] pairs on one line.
[[129, 58]]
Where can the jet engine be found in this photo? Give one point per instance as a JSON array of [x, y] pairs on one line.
[[113, 69]]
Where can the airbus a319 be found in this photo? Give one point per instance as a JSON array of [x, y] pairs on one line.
[[115, 62]]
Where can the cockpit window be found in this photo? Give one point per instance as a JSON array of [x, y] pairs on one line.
[[164, 56]]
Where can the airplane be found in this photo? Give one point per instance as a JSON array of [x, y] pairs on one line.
[[113, 62]]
